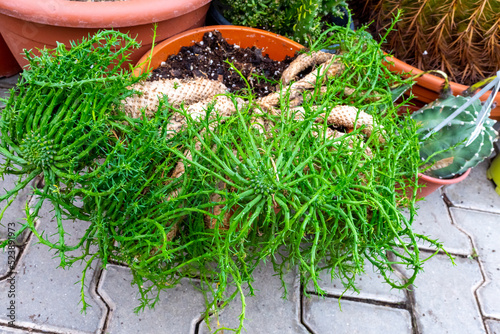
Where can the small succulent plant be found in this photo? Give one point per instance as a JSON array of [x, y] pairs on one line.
[[447, 151]]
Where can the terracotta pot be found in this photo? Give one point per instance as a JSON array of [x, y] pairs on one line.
[[432, 184], [8, 64], [428, 86], [30, 24], [276, 46]]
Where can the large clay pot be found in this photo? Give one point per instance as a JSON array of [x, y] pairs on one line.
[[428, 86], [30, 24], [276, 46], [8, 64]]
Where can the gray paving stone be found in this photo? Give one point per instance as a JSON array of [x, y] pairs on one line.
[[484, 228], [433, 220], [267, 311], [444, 296], [9, 82], [371, 285], [475, 192], [493, 326], [7, 260], [322, 315], [178, 310], [48, 298], [9, 330], [15, 214]]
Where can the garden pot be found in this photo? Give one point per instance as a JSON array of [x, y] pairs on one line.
[[432, 184], [493, 173], [428, 86], [31, 24], [276, 46], [8, 64]]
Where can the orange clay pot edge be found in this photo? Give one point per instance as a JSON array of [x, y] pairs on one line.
[[277, 46], [444, 181], [433, 84], [108, 14]]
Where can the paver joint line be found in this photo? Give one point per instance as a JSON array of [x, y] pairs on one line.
[[96, 279], [301, 309], [481, 269], [361, 300]]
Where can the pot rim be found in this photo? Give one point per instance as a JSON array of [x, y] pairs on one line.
[[108, 14], [430, 81], [143, 63], [444, 181]]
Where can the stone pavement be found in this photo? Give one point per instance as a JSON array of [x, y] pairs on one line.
[[464, 298]]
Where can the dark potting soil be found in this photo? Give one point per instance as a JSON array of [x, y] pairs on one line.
[[207, 59]]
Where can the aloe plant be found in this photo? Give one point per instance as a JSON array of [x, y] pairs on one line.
[[448, 152]]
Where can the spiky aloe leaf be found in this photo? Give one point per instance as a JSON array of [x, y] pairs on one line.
[[446, 149]]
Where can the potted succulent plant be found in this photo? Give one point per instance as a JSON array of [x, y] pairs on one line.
[[31, 24], [456, 135], [298, 20], [459, 39]]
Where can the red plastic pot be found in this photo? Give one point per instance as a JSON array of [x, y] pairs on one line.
[[428, 86], [276, 46], [8, 64], [30, 24]]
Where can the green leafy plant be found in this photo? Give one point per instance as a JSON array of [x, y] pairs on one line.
[[292, 194], [56, 121], [300, 20]]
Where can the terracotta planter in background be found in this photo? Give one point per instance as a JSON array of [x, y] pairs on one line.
[[8, 64], [428, 86], [30, 24], [276, 46]]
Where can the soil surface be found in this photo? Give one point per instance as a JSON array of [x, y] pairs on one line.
[[207, 59]]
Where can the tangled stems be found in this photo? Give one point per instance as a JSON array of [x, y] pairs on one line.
[[256, 186], [56, 122]]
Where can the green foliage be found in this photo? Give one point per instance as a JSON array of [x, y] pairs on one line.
[[57, 120], [290, 195], [300, 20]]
